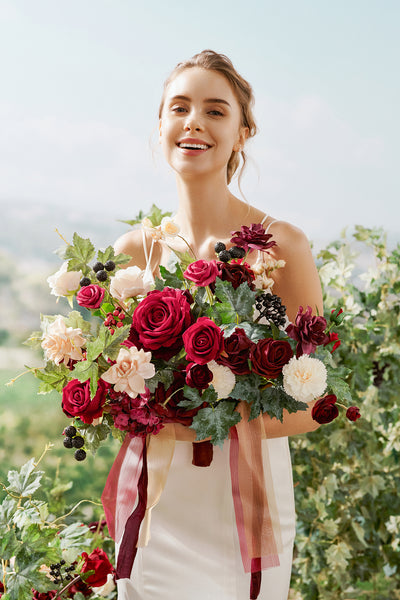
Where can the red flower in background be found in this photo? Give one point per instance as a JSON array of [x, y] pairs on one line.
[[198, 376], [333, 337], [353, 413], [38, 595], [253, 237]]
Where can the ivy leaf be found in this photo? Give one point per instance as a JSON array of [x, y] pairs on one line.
[[95, 434], [9, 544], [112, 343], [79, 254], [164, 376], [76, 321], [193, 398], [25, 481], [336, 384], [215, 422], [34, 340], [86, 370], [52, 377], [173, 280], [274, 399]]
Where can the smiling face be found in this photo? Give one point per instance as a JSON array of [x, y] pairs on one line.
[[200, 123]]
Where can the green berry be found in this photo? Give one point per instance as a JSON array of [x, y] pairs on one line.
[[101, 275], [110, 265], [98, 267]]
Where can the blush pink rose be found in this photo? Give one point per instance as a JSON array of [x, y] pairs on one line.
[[90, 296], [202, 272]]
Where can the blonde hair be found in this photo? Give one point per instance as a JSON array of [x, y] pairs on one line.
[[208, 59]]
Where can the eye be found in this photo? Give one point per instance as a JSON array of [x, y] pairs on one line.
[[216, 113], [178, 109]]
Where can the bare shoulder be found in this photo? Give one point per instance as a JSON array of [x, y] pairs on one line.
[[131, 243], [291, 241]]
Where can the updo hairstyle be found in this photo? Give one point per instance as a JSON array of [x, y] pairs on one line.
[[208, 59]]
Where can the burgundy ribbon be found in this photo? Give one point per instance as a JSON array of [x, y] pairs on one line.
[[127, 550], [202, 454], [255, 582]]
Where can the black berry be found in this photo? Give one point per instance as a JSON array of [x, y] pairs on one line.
[[62, 562], [101, 275], [271, 308], [237, 252], [85, 281], [224, 256], [78, 442], [80, 454], [98, 267], [219, 246], [70, 431], [67, 442], [110, 265]]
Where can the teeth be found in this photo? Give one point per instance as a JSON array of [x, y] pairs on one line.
[[194, 146]]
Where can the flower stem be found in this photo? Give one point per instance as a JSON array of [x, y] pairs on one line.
[[12, 381], [188, 245], [169, 397], [69, 585]]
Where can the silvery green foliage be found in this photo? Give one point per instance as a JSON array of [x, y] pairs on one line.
[[348, 478]]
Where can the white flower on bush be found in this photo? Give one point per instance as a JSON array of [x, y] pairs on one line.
[[62, 343], [133, 366], [128, 283], [304, 378], [223, 379], [169, 227], [64, 282], [107, 588]]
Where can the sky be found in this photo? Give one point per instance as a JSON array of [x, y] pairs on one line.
[[80, 83]]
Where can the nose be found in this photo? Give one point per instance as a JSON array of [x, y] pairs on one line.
[[193, 123]]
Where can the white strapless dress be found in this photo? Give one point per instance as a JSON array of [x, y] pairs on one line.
[[194, 553]]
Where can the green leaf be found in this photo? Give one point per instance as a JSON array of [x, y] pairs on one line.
[[25, 481], [275, 399], [215, 422], [86, 370], [79, 254], [112, 343], [173, 280], [336, 384], [164, 376], [95, 434], [76, 321], [185, 258], [34, 340], [241, 300], [52, 377], [9, 544]]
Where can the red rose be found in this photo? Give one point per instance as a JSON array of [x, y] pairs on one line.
[[308, 331], [236, 272], [324, 410], [79, 586], [166, 402], [353, 413], [198, 376], [237, 347], [76, 400], [252, 238], [333, 337], [98, 562], [90, 296], [160, 320], [203, 341], [268, 357], [202, 272], [38, 595]]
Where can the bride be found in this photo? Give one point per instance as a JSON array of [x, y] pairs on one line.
[[194, 551]]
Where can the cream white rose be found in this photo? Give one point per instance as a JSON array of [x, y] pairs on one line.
[[107, 588], [62, 343], [133, 366], [129, 283], [64, 283], [304, 378], [223, 379], [169, 227]]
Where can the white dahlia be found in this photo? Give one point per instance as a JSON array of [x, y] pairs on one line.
[[223, 379], [304, 378]]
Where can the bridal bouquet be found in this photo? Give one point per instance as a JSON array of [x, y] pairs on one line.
[[187, 347]]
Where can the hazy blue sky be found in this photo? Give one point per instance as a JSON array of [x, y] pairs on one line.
[[80, 82]]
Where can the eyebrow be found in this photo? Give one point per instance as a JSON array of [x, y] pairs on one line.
[[208, 100]]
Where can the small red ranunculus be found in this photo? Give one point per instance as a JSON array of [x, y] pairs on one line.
[[202, 272], [237, 347], [160, 320], [325, 410], [38, 595], [76, 400], [203, 341], [252, 238], [269, 356], [90, 296], [353, 413], [333, 338], [236, 272], [308, 331], [98, 562], [198, 376]]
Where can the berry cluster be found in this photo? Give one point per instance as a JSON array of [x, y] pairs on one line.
[[271, 308], [225, 255], [60, 572], [72, 440], [114, 319], [101, 272]]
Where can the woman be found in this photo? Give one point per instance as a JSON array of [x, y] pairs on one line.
[[194, 550]]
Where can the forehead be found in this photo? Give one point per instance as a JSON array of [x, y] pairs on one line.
[[198, 84]]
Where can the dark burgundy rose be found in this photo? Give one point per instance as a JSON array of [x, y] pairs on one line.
[[308, 331], [97, 561], [252, 238], [90, 296], [38, 595], [160, 320], [170, 412], [333, 338], [79, 586], [76, 401], [269, 356], [2, 589], [203, 341], [202, 272], [236, 272], [325, 410], [97, 526], [198, 376], [353, 413], [237, 348]]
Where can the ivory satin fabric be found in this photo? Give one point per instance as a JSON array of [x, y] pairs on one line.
[[194, 553]]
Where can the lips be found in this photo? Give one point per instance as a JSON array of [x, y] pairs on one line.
[[193, 144]]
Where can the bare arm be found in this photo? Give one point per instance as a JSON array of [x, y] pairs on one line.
[[131, 243]]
